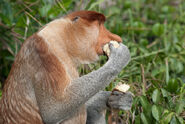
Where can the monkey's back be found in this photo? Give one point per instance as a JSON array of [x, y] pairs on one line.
[[18, 102]]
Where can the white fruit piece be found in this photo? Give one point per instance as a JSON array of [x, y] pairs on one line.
[[122, 88], [106, 47]]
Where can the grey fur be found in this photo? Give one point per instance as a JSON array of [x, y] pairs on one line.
[[81, 89], [96, 108], [97, 105], [119, 100]]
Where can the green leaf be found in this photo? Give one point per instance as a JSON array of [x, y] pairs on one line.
[[114, 10], [174, 120], [167, 118], [156, 112], [180, 106], [66, 3], [127, 4], [164, 92], [144, 119], [7, 12], [158, 29], [182, 91], [144, 102], [156, 96], [137, 120], [147, 107], [95, 4], [172, 85], [89, 4], [47, 1], [44, 10], [180, 119], [167, 71]]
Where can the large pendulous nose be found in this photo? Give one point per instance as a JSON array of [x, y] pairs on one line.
[[104, 37], [113, 36]]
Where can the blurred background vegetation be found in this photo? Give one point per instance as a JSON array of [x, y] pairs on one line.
[[154, 31]]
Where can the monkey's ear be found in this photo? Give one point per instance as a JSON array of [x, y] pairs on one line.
[[75, 19]]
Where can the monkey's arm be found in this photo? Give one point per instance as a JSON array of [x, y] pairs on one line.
[[99, 103], [55, 110]]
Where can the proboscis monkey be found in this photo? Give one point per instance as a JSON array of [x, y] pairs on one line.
[[44, 86]]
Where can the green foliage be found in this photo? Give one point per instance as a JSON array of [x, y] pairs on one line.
[[156, 112], [156, 96], [154, 31]]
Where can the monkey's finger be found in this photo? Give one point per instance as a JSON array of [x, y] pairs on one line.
[[130, 94], [111, 47], [114, 106], [123, 47], [120, 105], [120, 100], [114, 98]]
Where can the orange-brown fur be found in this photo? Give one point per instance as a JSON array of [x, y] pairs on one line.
[[50, 58]]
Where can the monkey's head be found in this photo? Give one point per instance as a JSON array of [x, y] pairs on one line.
[[90, 33]]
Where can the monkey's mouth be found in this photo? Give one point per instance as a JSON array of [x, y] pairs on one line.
[[106, 48]]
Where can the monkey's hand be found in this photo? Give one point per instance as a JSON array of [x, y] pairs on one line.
[[120, 100], [119, 57]]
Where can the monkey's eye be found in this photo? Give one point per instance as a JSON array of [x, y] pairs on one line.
[[75, 18]]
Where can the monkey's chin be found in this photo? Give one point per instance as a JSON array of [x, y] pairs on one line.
[[100, 51]]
